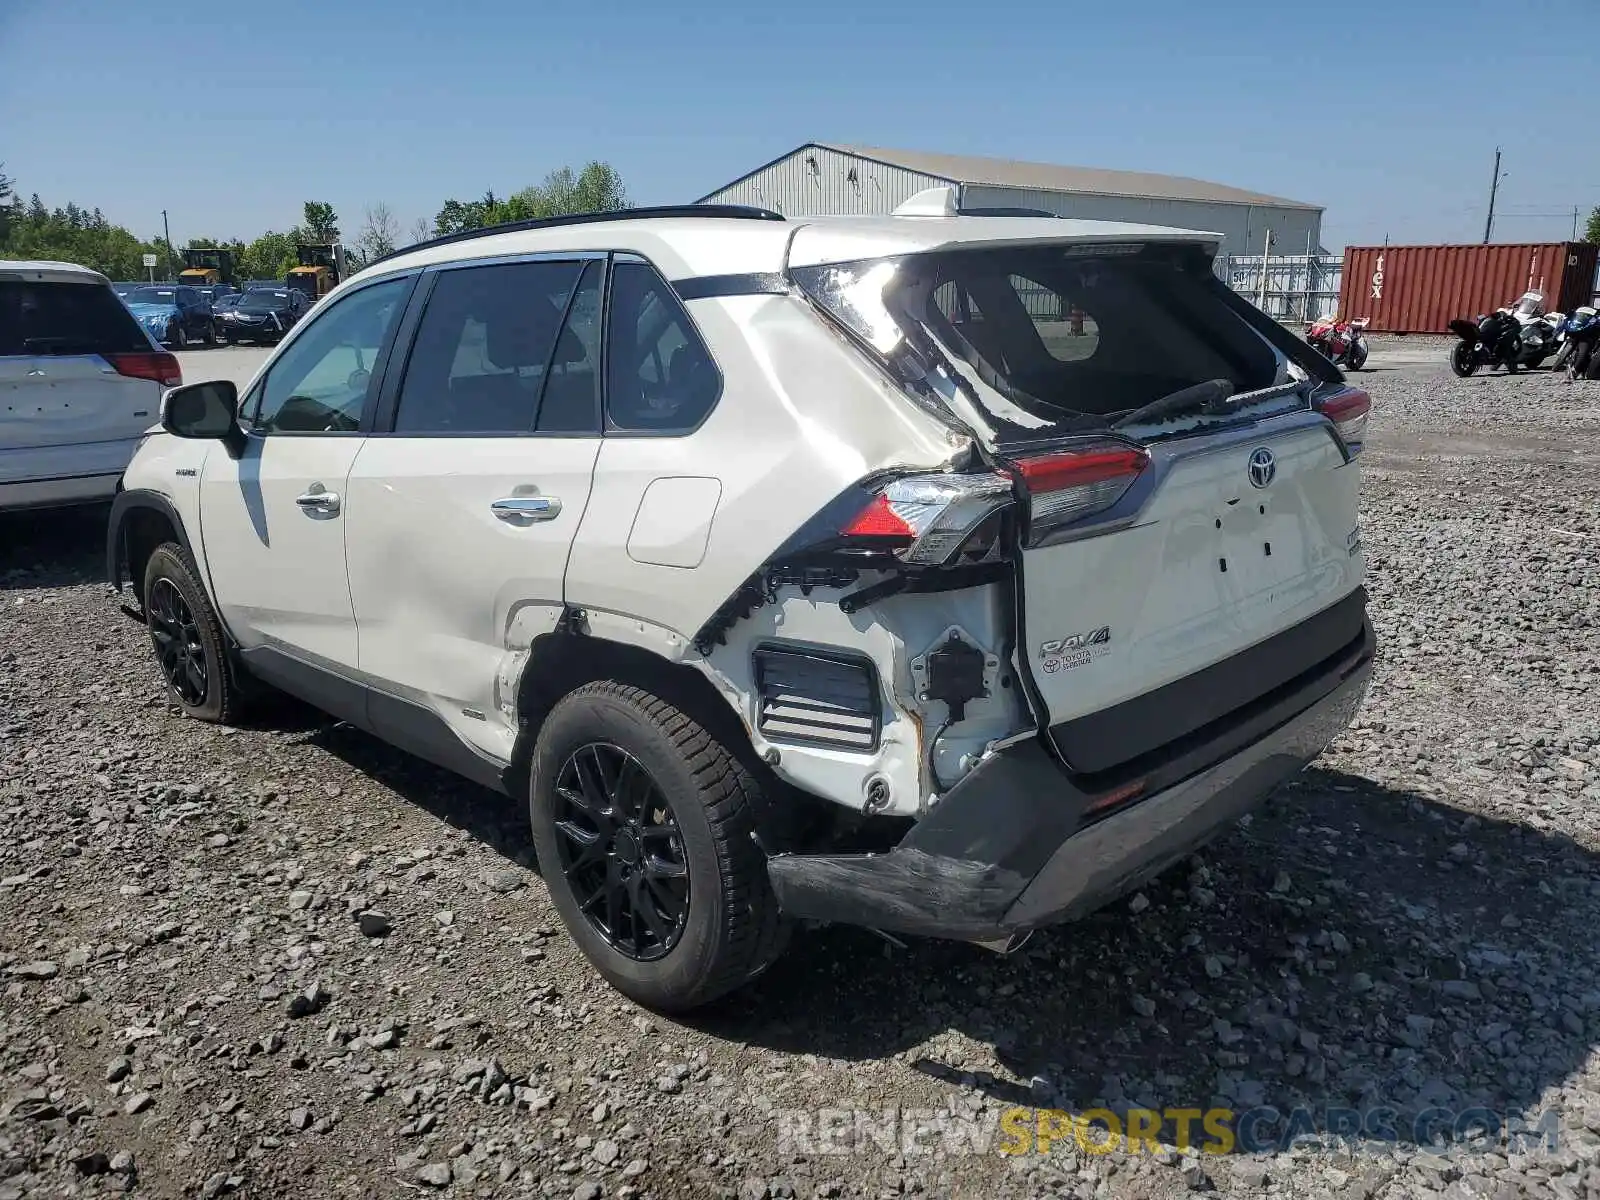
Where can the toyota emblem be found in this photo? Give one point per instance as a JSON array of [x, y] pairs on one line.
[[1262, 468]]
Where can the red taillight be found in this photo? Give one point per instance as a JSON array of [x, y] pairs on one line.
[[929, 519], [1348, 410], [1073, 484], [156, 366], [877, 520]]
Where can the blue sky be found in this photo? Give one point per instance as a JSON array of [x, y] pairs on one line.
[[1387, 115]]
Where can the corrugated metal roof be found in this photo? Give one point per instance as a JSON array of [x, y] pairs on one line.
[[1000, 172]]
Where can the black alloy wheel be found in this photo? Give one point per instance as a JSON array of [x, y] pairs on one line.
[[621, 851], [179, 649]]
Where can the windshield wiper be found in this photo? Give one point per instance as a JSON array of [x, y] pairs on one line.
[[1209, 397]]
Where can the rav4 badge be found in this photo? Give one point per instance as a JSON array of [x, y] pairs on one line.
[[1062, 654]]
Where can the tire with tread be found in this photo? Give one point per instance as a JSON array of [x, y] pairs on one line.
[[223, 700], [1462, 360], [733, 930]]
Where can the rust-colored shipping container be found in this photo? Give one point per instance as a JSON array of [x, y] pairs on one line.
[[1421, 289]]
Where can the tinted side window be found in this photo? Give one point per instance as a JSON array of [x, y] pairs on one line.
[[320, 383], [659, 375], [491, 343]]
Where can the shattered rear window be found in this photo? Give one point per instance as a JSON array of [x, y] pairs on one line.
[[1057, 338]]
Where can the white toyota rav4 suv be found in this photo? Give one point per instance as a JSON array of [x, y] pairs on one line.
[[943, 574]]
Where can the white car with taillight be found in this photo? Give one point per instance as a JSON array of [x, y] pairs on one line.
[[945, 574], [80, 383]]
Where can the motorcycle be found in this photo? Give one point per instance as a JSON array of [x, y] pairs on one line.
[[1343, 343], [1584, 363], [1573, 343], [1538, 328], [1491, 340]]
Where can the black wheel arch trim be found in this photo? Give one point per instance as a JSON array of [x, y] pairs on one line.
[[131, 500]]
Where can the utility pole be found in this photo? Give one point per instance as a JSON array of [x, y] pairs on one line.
[[168, 232], [1574, 222], [1494, 186]]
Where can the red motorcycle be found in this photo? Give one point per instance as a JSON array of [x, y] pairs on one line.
[[1341, 342]]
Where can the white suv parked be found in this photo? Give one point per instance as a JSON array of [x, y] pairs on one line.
[[80, 382], [944, 574]]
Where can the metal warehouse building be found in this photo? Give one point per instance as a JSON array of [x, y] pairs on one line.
[[822, 178]]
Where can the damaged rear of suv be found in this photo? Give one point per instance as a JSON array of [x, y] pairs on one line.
[[1122, 611], [943, 574]]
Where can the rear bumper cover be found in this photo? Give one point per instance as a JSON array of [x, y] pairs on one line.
[[1015, 845]]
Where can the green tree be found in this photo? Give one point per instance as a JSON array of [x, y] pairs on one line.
[[1591, 232], [597, 188], [321, 223], [270, 256], [71, 234], [6, 198]]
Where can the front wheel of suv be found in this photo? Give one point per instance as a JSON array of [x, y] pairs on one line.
[[642, 825], [187, 637]]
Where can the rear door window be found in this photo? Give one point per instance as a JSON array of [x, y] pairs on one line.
[[506, 349], [65, 318]]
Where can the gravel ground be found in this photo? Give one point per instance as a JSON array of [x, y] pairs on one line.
[[287, 961]]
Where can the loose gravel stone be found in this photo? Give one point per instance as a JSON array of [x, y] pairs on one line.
[[186, 970], [435, 1175], [375, 924]]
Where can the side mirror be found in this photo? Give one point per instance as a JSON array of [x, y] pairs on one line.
[[205, 411]]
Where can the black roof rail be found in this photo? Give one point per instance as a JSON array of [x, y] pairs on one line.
[[742, 212], [1005, 212]]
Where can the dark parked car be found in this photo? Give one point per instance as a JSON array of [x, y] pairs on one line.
[[173, 314], [263, 315]]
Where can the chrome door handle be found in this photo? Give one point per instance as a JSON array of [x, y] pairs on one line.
[[526, 508], [319, 501]]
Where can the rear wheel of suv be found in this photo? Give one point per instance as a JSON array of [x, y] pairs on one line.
[[187, 637], [642, 824]]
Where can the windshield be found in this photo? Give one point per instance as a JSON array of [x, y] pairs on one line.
[[1531, 304], [150, 295], [264, 301], [1054, 339]]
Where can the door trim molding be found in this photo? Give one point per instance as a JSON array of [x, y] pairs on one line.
[[403, 723]]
